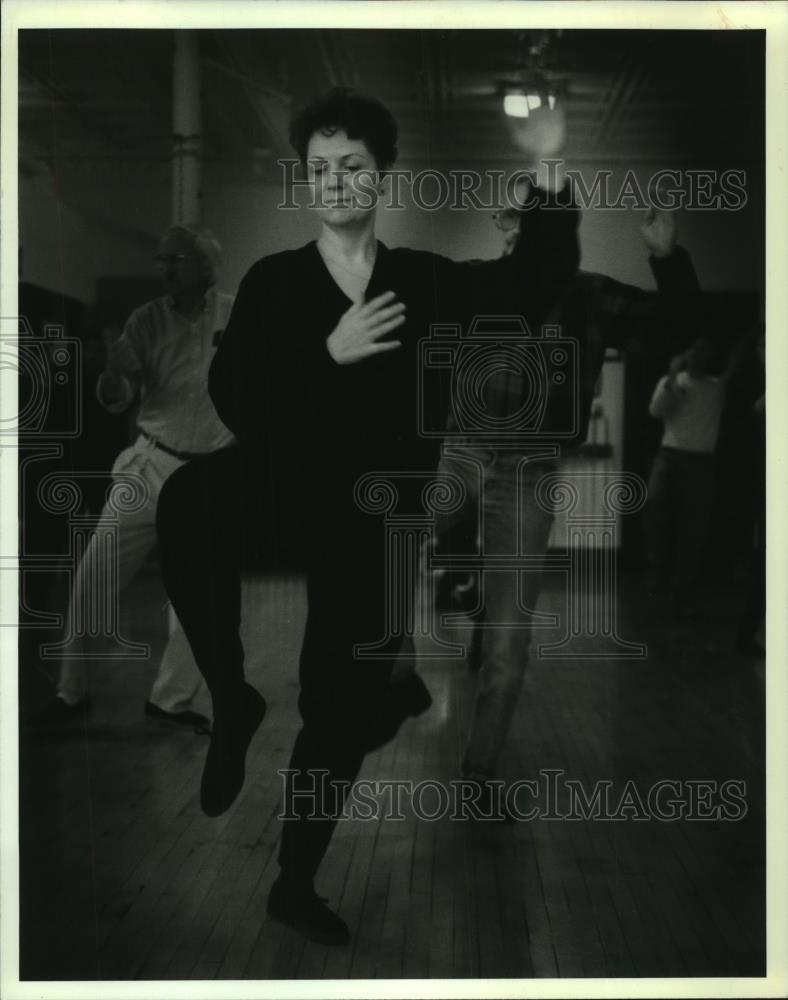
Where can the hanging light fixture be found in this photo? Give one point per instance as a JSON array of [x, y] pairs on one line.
[[533, 99], [520, 101], [515, 104], [532, 88]]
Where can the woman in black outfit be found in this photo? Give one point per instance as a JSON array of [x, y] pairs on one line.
[[317, 375]]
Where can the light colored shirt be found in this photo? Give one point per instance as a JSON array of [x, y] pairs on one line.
[[691, 411], [166, 357]]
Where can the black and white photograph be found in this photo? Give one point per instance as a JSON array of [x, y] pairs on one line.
[[387, 474]]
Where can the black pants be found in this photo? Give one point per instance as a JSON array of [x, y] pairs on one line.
[[198, 521], [208, 525]]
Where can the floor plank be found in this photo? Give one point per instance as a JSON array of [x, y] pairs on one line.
[[148, 887]]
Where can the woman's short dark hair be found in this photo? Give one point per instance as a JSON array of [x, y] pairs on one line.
[[361, 117]]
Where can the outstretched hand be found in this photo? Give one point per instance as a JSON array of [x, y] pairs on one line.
[[357, 334], [659, 232]]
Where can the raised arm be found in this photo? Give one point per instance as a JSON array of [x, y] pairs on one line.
[[545, 256], [620, 310], [668, 393]]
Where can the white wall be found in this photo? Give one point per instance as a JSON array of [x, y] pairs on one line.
[[727, 247], [79, 224], [96, 219]]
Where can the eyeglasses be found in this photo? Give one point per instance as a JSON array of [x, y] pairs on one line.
[[177, 258]]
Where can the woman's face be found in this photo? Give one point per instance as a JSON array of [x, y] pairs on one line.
[[345, 178]]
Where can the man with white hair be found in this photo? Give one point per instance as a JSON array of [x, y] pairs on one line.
[[163, 355]]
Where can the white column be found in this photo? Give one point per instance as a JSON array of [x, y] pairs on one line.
[[187, 129]]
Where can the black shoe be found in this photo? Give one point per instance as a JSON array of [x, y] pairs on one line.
[[234, 726], [302, 909], [60, 713], [192, 720]]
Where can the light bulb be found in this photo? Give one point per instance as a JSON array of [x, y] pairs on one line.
[[516, 105]]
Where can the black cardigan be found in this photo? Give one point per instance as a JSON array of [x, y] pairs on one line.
[[309, 427]]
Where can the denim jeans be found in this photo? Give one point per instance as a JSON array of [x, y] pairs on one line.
[[501, 494]]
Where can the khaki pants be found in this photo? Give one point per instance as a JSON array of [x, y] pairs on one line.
[[177, 681]]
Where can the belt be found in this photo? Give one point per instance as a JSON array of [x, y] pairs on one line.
[[183, 455]]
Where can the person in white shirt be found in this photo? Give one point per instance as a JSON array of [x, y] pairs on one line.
[[681, 490], [163, 355]]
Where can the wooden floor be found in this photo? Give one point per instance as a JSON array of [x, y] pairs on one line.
[[122, 877]]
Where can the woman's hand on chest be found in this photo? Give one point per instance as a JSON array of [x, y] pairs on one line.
[[358, 334]]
